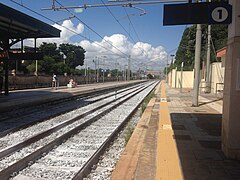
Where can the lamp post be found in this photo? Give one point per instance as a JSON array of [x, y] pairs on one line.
[[172, 55], [117, 70], [167, 70], [181, 85], [125, 73], [96, 63]]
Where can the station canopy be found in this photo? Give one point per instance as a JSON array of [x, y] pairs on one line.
[[17, 25]]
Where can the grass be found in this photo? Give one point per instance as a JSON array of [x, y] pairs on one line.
[[146, 101], [128, 134]]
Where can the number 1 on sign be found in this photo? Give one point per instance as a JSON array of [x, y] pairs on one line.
[[219, 14]]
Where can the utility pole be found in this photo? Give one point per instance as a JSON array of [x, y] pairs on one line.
[[172, 55], [208, 59], [129, 68], [176, 77], [103, 74], [197, 66], [181, 85], [36, 61], [125, 72], [97, 69], [85, 73], [167, 71], [95, 63]]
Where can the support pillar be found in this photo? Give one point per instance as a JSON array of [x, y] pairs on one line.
[[197, 66], [231, 113], [6, 66]]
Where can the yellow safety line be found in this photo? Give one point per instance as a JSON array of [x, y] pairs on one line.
[[168, 163]]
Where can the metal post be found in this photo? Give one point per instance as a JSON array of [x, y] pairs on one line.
[[88, 70], [95, 64], [171, 69], [6, 65], [176, 77], [128, 72], [35, 51], [103, 75], [97, 69], [85, 73], [167, 70], [125, 73], [181, 85], [208, 59], [117, 70], [197, 66]]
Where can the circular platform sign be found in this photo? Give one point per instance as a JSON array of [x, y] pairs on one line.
[[220, 13]]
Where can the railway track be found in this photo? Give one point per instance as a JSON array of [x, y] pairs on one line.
[[67, 146], [10, 122]]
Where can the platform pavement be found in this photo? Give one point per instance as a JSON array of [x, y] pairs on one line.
[[30, 97], [186, 142]]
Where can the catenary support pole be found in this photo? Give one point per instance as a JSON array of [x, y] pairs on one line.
[[6, 65], [176, 77], [208, 85], [197, 66], [129, 68], [181, 85]]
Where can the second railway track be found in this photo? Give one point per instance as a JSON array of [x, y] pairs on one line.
[[87, 133]]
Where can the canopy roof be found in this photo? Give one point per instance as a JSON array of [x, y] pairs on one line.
[[15, 24]]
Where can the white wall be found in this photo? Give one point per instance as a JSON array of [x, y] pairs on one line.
[[217, 78], [187, 79]]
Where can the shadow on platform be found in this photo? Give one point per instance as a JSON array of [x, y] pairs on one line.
[[198, 140]]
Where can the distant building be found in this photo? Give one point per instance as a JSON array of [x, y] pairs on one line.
[[221, 53], [154, 73]]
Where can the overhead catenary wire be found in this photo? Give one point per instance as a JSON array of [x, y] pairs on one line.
[[132, 25], [85, 6], [134, 30], [92, 29], [76, 33], [120, 23]]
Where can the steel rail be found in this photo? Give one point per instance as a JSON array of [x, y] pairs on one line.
[[86, 169], [21, 164], [49, 131], [12, 130]]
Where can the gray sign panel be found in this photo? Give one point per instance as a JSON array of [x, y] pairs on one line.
[[197, 13]]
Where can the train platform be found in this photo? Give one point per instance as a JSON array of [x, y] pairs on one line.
[[32, 97], [175, 141]]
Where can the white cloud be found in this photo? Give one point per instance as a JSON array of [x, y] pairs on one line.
[[117, 48], [111, 49], [67, 31]]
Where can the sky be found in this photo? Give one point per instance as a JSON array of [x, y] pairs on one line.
[[110, 35]]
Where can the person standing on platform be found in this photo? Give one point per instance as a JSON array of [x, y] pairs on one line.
[[54, 81]]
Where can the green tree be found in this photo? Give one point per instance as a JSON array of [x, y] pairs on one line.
[[60, 60], [61, 68], [46, 65], [186, 48], [74, 54], [51, 50]]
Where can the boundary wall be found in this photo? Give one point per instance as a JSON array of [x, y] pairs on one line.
[[186, 78]]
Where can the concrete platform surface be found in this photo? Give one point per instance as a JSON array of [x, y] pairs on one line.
[[185, 141], [29, 97]]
